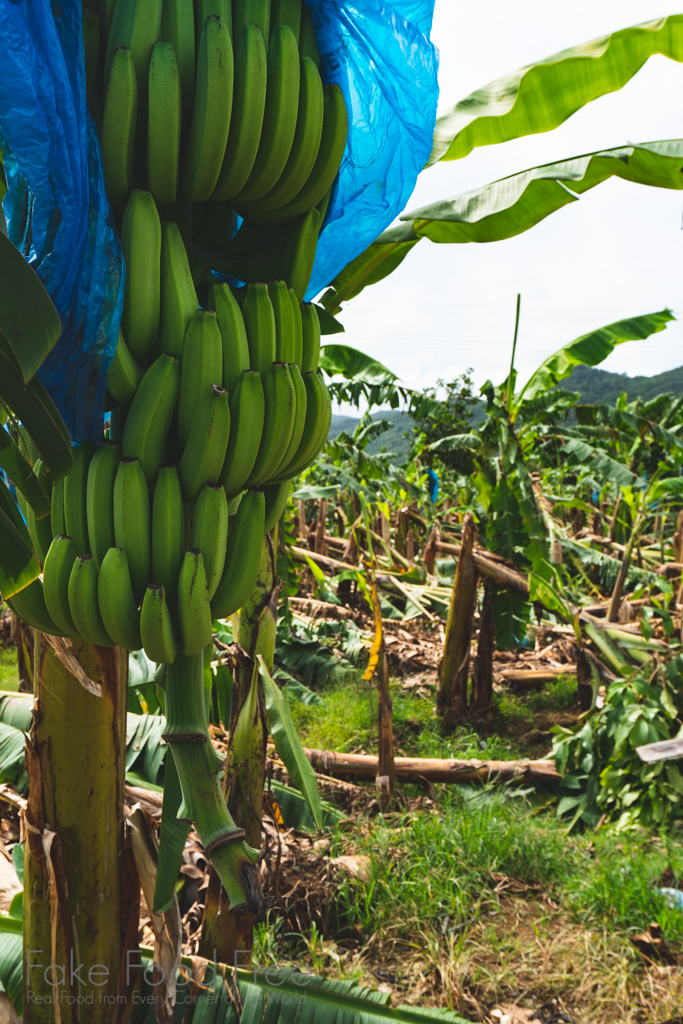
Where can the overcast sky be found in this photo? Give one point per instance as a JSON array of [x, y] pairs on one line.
[[614, 253]]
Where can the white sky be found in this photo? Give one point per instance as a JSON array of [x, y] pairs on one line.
[[614, 253]]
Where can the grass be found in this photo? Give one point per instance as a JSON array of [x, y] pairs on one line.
[[9, 676]]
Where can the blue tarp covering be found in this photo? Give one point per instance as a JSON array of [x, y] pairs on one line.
[[56, 206]]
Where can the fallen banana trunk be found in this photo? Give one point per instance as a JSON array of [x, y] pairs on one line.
[[533, 679], [436, 769], [494, 571], [300, 555]]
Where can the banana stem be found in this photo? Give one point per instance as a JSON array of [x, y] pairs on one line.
[[199, 768]]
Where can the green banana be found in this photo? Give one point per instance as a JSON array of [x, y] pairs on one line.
[[247, 111], [141, 245], [136, 25], [106, 9], [117, 421], [85, 609], [56, 573], [203, 9], [327, 163], [323, 206], [277, 496], [245, 537], [118, 129], [178, 295], [310, 323], [299, 424], [280, 115], [210, 532], [247, 412], [305, 146], [254, 12], [318, 417], [168, 529], [308, 44], [75, 497], [286, 12], [277, 426], [284, 322], [212, 112], [40, 530], [177, 27], [259, 320], [163, 123], [132, 522], [124, 374], [298, 329], [157, 632], [91, 48], [233, 335], [29, 605], [156, 628], [204, 453], [57, 523], [149, 417], [118, 607], [100, 500], [299, 255], [201, 367], [195, 624]]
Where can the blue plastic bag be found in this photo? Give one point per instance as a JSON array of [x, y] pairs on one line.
[[381, 56], [56, 206]]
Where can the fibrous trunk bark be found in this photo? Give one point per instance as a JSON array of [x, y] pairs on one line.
[[77, 907], [482, 676], [451, 696]]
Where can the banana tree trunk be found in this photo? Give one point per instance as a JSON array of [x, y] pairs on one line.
[[226, 937], [80, 912], [482, 674], [451, 696]]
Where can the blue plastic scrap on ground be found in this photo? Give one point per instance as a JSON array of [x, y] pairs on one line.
[[56, 205], [381, 56]]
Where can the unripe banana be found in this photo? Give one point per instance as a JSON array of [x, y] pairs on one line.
[[254, 12], [310, 323], [164, 123], [248, 107], [305, 147], [212, 112], [278, 424], [118, 129], [204, 453], [245, 537], [259, 320], [201, 367], [298, 329], [117, 421], [91, 47], [132, 522], [299, 424], [277, 496], [135, 24], [141, 245], [156, 628], [29, 605], [106, 9], [100, 500], [195, 625], [299, 255], [178, 295], [284, 322], [328, 161], [40, 530], [57, 523], [210, 532], [168, 529], [308, 44], [56, 574], [318, 417], [233, 335], [287, 12], [124, 374], [85, 609], [280, 115], [118, 607], [203, 9], [177, 27], [149, 417], [247, 413], [76, 497]]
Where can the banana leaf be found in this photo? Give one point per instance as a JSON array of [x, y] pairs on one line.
[[144, 746], [12, 757], [11, 960], [378, 261], [20, 472], [602, 464], [28, 319], [172, 838], [18, 566], [16, 711], [540, 96], [354, 365], [288, 744]]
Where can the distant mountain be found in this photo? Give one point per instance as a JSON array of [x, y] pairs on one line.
[[594, 385]]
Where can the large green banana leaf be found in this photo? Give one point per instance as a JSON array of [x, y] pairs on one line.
[[540, 96], [28, 318], [602, 465]]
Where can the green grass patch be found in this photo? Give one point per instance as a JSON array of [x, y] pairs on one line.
[[9, 675]]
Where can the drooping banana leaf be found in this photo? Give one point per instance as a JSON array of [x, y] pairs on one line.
[[11, 960], [28, 319], [172, 838], [600, 463], [18, 567], [363, 377], [20, 472], [378, 261], [540, 96]]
